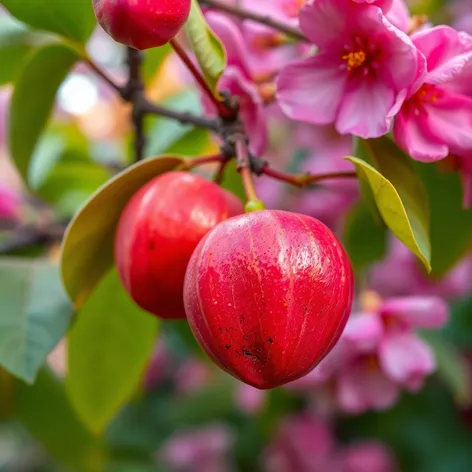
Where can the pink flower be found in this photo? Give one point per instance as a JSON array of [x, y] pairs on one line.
[[203, 450], [366, 457], [385, 5], [191, 376], [399, 15], [360, 75], [237, 79], [250, 400], [379, 352], [10, 203], [399, 274], [158, 367], [303, 444], [436, 119]]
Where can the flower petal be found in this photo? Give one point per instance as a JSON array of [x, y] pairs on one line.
[[421, 312], [411, 134], [365, 108], [363, 331], [406, 359], [361, 387], [311, 89]]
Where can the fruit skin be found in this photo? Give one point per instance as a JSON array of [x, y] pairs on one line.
[[267, 295], [157, 233], [142, 24]]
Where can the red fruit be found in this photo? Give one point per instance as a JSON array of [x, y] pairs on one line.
[[267, 295], [157, 233], [142, 24]]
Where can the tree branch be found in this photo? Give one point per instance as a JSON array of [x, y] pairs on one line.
[[248, 15], [305, 180]]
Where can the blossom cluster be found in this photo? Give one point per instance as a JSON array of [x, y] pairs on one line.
[[368, 68]]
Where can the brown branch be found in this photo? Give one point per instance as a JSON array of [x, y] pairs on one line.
[[248, 15], [305, 180]]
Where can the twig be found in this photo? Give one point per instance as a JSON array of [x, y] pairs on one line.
[[305, 180], [243, 164], [220, 172], [221, 107], [134, 92], [185, 117], [103, 75], [248, 15]]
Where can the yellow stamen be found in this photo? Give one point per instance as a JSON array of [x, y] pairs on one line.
[[354, 59]]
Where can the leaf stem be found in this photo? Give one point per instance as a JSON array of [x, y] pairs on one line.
[[243, 164], [190, 164], [223, 110], [248, 15]]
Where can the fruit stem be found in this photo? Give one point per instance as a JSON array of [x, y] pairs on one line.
[[220, 172], [248, 15], [243, 164], [305, 180], [222, 108]]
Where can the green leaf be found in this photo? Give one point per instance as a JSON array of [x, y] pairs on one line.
[[30, 110], [209, 50], [451, 225], [452, 368], [365, 240], [45, 410], [109, 347], [70, 184], [399, 194], [232, 181], [87, 250], [34, 315], [16, 42], [72, 19]]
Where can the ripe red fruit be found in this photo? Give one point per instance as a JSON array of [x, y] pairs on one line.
[[267, 295], [142, 24], [157, 233]]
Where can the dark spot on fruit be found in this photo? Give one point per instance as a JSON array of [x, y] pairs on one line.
[[270, 340], [152, 245], [248, 354], [220, 329], [228, 346]]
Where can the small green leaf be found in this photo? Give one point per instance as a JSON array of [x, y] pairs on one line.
[[87, 250], [109, 347], [210, 52], [44, 71], [398, 193], [232, 181], [34, 315], [72, 19], [452, 368], [364, 238], [46, 412]]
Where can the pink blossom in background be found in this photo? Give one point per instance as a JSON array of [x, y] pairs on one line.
[[379, 353], [159, 366], [462, 15], [359, 77], [400, 273], [238, 80], [436, 119], [248, 399], [10, 203], [365, 457], [203, 450], [191, 376], [303, 443], [330, 201]]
